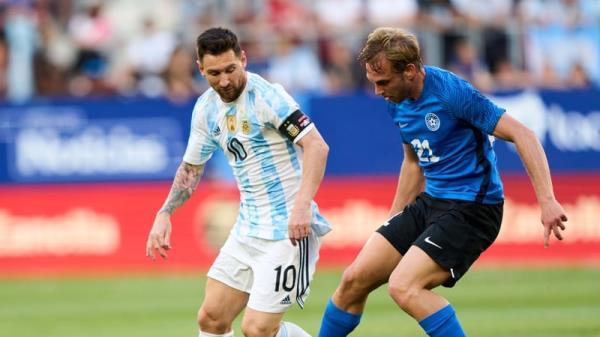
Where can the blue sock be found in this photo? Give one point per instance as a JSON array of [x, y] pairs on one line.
[[336, 322], [443, 323]]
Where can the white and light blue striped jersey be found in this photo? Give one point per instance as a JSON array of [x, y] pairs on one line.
[[266, 164]]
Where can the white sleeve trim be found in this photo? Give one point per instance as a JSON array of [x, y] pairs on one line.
[[304, 132]]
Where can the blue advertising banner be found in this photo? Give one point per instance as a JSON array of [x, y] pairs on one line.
[[567, 124], [138, 140], [74, 141], [363, 139]]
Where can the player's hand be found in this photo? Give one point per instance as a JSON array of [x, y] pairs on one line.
[[299, 222], [159, 237], [553, 217]]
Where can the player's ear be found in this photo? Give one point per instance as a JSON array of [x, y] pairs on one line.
[[410, 71], [200, 68], [243, 59]]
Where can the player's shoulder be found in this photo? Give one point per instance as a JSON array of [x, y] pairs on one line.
[[439, 76], [205, 105], [265, 88], [445, 84]]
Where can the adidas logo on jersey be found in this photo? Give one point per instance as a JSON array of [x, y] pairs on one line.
[[286, 300]]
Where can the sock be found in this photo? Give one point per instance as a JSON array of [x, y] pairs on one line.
[[443, 323], [206, 334], [337, 322], [288, 329]]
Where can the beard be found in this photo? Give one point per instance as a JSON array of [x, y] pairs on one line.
[[229, 94], [402, 94], [232, 92]]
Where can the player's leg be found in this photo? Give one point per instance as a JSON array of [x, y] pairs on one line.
[[221, 306], [227, 288], [264, 324], [410, 286], [371, 268], [282, 275], [457, 234]]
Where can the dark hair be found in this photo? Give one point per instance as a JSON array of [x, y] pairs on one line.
[[398, 46], [216, 41]]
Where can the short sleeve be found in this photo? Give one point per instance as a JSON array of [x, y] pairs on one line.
[[467, 103], [280, 105], [201, 144]]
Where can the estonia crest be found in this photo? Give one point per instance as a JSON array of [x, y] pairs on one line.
[[432, 121]]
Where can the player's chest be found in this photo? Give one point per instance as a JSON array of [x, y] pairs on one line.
[[434, 126], [430, 133], [239, 133]]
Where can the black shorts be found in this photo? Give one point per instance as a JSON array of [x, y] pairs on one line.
[[452, 232]]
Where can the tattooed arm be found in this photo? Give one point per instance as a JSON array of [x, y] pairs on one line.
[[185, 183]]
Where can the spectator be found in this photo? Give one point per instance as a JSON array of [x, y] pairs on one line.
[[91, 33], [391, 13], [578, 77], [508, 77], [22, 38], [339, 68], [179, 79], [295, 66], [467, 64], [55, 56], [289, 17], [3, 64], [148, 55]]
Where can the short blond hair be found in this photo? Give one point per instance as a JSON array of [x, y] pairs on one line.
[[397, 45]]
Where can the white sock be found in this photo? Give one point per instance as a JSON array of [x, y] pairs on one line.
[[288, 329], [206, 334]]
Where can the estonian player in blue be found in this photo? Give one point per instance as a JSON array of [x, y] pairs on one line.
[[433, 237], [278, 159]]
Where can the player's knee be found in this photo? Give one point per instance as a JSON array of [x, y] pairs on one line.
[[209, 320], [403, 294], [354, 283], [252, 329]]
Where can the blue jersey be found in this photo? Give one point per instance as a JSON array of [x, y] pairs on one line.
[[449, 128], [254, 133]]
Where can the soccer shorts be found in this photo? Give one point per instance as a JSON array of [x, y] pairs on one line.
[[452, 232], [276, 274]]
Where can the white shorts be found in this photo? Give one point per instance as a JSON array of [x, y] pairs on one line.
[[274, 273]]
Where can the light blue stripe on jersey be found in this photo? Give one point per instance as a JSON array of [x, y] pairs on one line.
[[275, 189], [211, 121], [206, 150], [248, 203], [294, 157], [276, 98]]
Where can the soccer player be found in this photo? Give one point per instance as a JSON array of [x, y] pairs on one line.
[[433, 237], [278, 159]]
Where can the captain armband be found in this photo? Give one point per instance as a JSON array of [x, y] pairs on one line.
[[295, 126]]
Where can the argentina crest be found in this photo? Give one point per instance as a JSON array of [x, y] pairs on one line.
[[246, 126], [231, 123]]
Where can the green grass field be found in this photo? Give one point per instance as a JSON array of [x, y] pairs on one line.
[[490, 303]]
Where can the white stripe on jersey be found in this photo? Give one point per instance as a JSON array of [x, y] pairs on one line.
[[267, 166]]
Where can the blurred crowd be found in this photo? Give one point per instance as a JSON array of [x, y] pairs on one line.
[[146, 47]]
